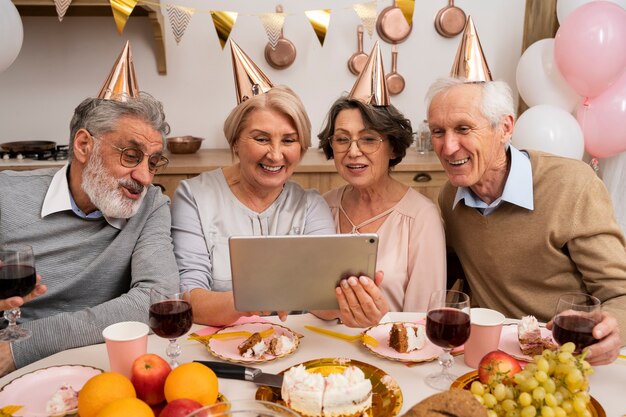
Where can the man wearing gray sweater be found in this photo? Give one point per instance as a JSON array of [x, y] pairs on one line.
[[99, 230]]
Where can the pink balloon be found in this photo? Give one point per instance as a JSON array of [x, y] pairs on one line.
[[590, 47], [603, 121]]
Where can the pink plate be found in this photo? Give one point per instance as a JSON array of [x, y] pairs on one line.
[[381, 333], [34, 389], [226, 349], [510, 344]]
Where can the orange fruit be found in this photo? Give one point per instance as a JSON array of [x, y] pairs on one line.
[[191, 380], [101, 390], [126, 407]]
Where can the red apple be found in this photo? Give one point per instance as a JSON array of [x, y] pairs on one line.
[[180, 408], [148, 376], [498, 366]]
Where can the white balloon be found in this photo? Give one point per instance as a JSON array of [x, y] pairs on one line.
[[549, 129], [11, 34], [565, 7], [539, 80]]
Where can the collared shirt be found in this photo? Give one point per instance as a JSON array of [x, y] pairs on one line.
[[59, 198], [518, 188]]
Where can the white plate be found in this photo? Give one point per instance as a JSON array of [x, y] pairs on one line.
[[509, 341], [34, 389], [226, 349], [381, 333]]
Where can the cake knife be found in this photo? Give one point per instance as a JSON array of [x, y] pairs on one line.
[[244, 373]]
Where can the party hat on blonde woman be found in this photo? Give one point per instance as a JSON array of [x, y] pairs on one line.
[[121, 85], [470, 62], [371, 87], [250, 81]]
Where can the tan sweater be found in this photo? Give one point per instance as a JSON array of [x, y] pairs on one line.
[[518, 261]]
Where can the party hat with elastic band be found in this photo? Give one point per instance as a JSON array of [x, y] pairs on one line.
[[470, 62], [121, 85], [249, 79], [371, 87]]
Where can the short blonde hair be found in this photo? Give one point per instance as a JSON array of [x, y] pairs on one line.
[[279, 98]]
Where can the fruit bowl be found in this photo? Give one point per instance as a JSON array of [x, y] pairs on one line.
[[184, 144]]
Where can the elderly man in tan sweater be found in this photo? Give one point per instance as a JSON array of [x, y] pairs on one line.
[[527, 226]]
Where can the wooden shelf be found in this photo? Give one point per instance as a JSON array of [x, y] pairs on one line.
[[102, 8]]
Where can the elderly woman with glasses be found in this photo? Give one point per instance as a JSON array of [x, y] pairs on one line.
[[366, 141]]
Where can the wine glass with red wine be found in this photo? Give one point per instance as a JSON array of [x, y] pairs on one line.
[[17, 279], [447, 326], [170, 317], [575, 317]]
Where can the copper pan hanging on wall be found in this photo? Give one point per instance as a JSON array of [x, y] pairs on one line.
[[357, 61], [450, 20], [395, 81], [392, 26], [284, 54]]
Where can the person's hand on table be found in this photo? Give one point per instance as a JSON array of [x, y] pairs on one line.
[[606, 350], [6, 359], [361, 303], [14, 302]]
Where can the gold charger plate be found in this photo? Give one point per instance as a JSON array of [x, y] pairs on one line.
[[465, 381], [386, 393]]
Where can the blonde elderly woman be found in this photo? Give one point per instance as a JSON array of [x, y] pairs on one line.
[[268, 132]]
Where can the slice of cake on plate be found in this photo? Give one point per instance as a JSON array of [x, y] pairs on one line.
[[254, 346], [346, 394], [407, 337], [64, 399], [529, 336]]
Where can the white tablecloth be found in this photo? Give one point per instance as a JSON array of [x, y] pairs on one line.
[[608, 384]]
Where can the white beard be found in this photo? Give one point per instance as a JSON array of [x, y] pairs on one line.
[[104, 190]]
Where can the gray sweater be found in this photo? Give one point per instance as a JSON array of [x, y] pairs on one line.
[[96, 274]]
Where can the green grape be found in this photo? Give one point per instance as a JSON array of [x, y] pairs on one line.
[[585, 413], [568, 347], [558, 396], [542, 364], [579, 405], [564, 357], [477, 388], [550, 400], [510, 392], [479, 398], [567, 406], [519, 378], [574, 379], [528, 411], [489, 400], [512, 413], [531, 384], [549, 385], [539, 394], [525, 399], [491, 413], [509, 405], [499, 391], [584, 395], [541, 376], [564, 392], [547, 412], [559, 412]]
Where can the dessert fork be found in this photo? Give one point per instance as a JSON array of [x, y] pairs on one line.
[[367, 339], [228, 335]]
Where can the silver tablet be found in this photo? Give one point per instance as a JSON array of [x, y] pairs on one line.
[[295, 272]]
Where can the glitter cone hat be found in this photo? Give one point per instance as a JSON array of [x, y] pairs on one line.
[[470, 62], [249, 79], [371, 87], [121, 83]]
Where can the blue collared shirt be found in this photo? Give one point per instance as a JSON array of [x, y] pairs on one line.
[[59, 198], [518, 188]]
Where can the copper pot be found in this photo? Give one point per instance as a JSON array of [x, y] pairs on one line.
[[392, 26], [395, 81], [357, 61], [284, 54], [450, 20]]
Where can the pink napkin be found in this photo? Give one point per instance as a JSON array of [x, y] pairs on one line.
[[251, 319]]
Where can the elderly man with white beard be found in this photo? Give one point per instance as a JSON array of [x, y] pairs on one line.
[[99, 230]]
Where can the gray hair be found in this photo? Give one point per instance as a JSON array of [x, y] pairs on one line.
[[496, 100], [99, 116]]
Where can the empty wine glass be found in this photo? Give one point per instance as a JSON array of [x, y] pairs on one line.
[[447, 326], [574, 319], [17, 278], [170, 317]]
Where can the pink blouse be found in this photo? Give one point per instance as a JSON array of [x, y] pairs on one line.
[[411, 250]]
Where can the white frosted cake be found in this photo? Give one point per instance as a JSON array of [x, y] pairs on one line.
[[529, 337], [347, 394], [407, 337]]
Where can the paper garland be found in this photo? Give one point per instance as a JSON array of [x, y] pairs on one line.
[[121, 12], [320, 20], [367, 14], [61, 6], [179, 20], [224, 23], [273, 25]]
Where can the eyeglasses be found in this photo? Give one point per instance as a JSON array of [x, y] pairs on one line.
[[367, 144], [131, 157]]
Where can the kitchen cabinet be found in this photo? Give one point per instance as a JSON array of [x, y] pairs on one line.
[[103, 8]]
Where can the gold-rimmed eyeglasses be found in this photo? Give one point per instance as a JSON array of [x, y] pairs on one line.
[[367, 144], [131, 157]]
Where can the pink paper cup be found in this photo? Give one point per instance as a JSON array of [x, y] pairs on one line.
[[125, 342], [484, 336]]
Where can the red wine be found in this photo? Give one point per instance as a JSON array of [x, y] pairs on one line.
[[170, 318], [447, 327], [573, 328], [16, 280]]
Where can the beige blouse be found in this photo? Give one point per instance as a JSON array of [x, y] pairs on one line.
[[411, 250]]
